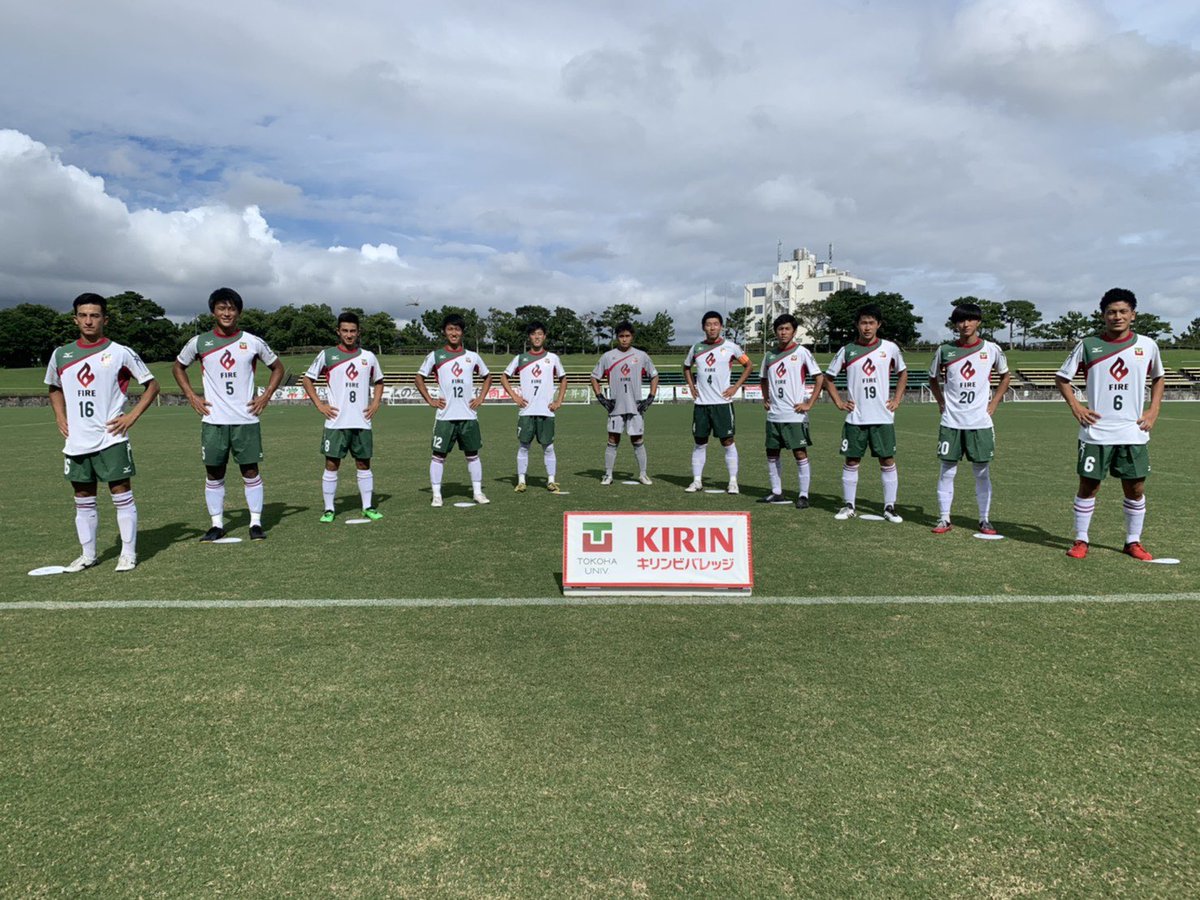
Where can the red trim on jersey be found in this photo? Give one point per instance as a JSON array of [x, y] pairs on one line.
[[978, 341], [1132, 337], [217, 331], [458, 354], [618, 362], [123, 377], [340, 363], [348, 349], [79, 342], [858, 358], [228, 338], [1117, 350], [974, 348], [539, 356], [874, 343]]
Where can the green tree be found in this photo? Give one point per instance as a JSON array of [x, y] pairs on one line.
[[992, 315], [1020, 314], [505, 329], [526, 314], [1068, 328], [29, 333], [613, 316], [900, 322], [736, 324], [310, 325], [141, 324], [1190, 336], [413, 335], [378, 332], [567, 332], [814, 319], [656, 336], [473, 333]]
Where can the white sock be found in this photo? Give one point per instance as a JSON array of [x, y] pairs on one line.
[[329, 482], [522, 461], [805, 473], [550, 458], [731, 461], [254, 498], [849, 484], [214, 499], [699, 455], [1084, 507], [1135, 517], [775, 474], [366, 486], [86, 522], [983, 488], [891, 484], [945, 489], [475, 470], [610, 458], [436, 465], [126, 521], [639, 453]]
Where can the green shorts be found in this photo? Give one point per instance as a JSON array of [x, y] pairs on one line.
[[881, 439], [218, 441], [539, 427], [464, 432], [787, 435], [715, 419], [1129, 462], [335, 442], [977, 444], [113, 463]]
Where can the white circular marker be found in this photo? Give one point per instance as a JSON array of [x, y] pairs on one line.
[[988, 537], [226, 540], [358, 521], [870, 517], [560, 493], [713, 491], [1161, 560], [464, 504], [630, 482], [48, 570]]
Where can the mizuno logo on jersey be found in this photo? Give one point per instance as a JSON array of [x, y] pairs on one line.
[[227, 361], [1118, 370], [85, 375]]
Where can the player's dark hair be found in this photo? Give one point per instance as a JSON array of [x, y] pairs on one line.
[[870, 311], [454, 319], [711, 314], [622, 327], [535, 326], [785, 319], [224, 295], [350, 317], [90, 300], [1117, 295], [966, 311]]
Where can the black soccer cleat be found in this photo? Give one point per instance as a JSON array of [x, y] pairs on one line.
[[802, 503], [213, 534], [257, 533]]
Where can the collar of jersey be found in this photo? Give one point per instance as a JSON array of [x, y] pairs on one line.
[[978, 341], [227, 337], [874, 343], [348, 350], [1132, 337], [84, 345]]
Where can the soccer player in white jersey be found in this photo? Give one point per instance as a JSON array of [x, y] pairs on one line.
[[539, 371], [228, 409], [457, 421], [960, 379], [87, 380], [788, 399], [355, 382], [624, 367], [869, 363], [712, 410], [1114, 428]]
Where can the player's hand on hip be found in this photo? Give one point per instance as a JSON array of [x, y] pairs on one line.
[[893, 404], [329, 412], [119, 425], [199, 404], [1146, 422], [520, 401], [554, 405], [847, 406], [729, 393], [1087, 416], [439, 403], [477, 402]]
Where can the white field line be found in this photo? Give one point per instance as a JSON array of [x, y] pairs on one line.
[[419, 603]]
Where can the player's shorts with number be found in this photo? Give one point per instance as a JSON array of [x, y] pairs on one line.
[[336, 442], [1130, 462], [977, 444], [788, 435], [631, 424], [464, 432], [243, 441], [715, 419], [113, 463], [856, 439], [539, 427]]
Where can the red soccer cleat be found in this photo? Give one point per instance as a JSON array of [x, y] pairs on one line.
[[1078, 550], [942, 526], [1137, 551], [986, 527]]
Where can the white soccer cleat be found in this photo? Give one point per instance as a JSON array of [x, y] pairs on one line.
[[889, 513], [127, 562], [644, 479], [436, 501], [846, 512], [83, 562], [733, 488], [694, 487], [607, 479], [480, 498]]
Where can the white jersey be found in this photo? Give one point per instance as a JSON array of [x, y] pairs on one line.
[[455, 370], [713, 368], [624, 370], [868, 379], [93, 379], [540, 373], [966, 373], [784, 377], [1117, 375], [351, 374], [227, 365]]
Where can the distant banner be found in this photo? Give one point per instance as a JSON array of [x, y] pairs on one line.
[[656, 553]]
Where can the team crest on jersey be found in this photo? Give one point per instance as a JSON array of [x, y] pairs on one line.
[[968, 370], [710, 360], [106, 359], [456, 370], [983, 355], [781, 369], [352, 373], [537, 371], [227, 361], [625, 370], [243, 346], [868, 368], [86, 375], [1118, 370], [1137, 351]]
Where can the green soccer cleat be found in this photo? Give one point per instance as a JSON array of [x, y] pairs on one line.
[[373, 514], [520, 488], [326, 517]]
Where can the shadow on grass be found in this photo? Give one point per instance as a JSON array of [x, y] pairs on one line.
[[154, 540]]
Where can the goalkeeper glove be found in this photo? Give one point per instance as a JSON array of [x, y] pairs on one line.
[[608, 404], [644, 404]]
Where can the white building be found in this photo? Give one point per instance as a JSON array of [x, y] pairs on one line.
[[799, 281]]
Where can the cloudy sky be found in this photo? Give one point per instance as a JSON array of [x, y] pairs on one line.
[[377, 153]]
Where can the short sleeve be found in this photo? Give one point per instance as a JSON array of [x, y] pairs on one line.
[[559, 370], [839, 361], [598, 371], [648, 366], [511, 368], [898, 363], [139, 370], [1001, 360], [52, 378], [1070, 368], [265, 353], [481, 366], [1155, 369], [426, 366], [317, 368], [376, 370], [936, 365], [187, 355]]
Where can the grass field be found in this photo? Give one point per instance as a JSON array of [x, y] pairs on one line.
[[966, 748]]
